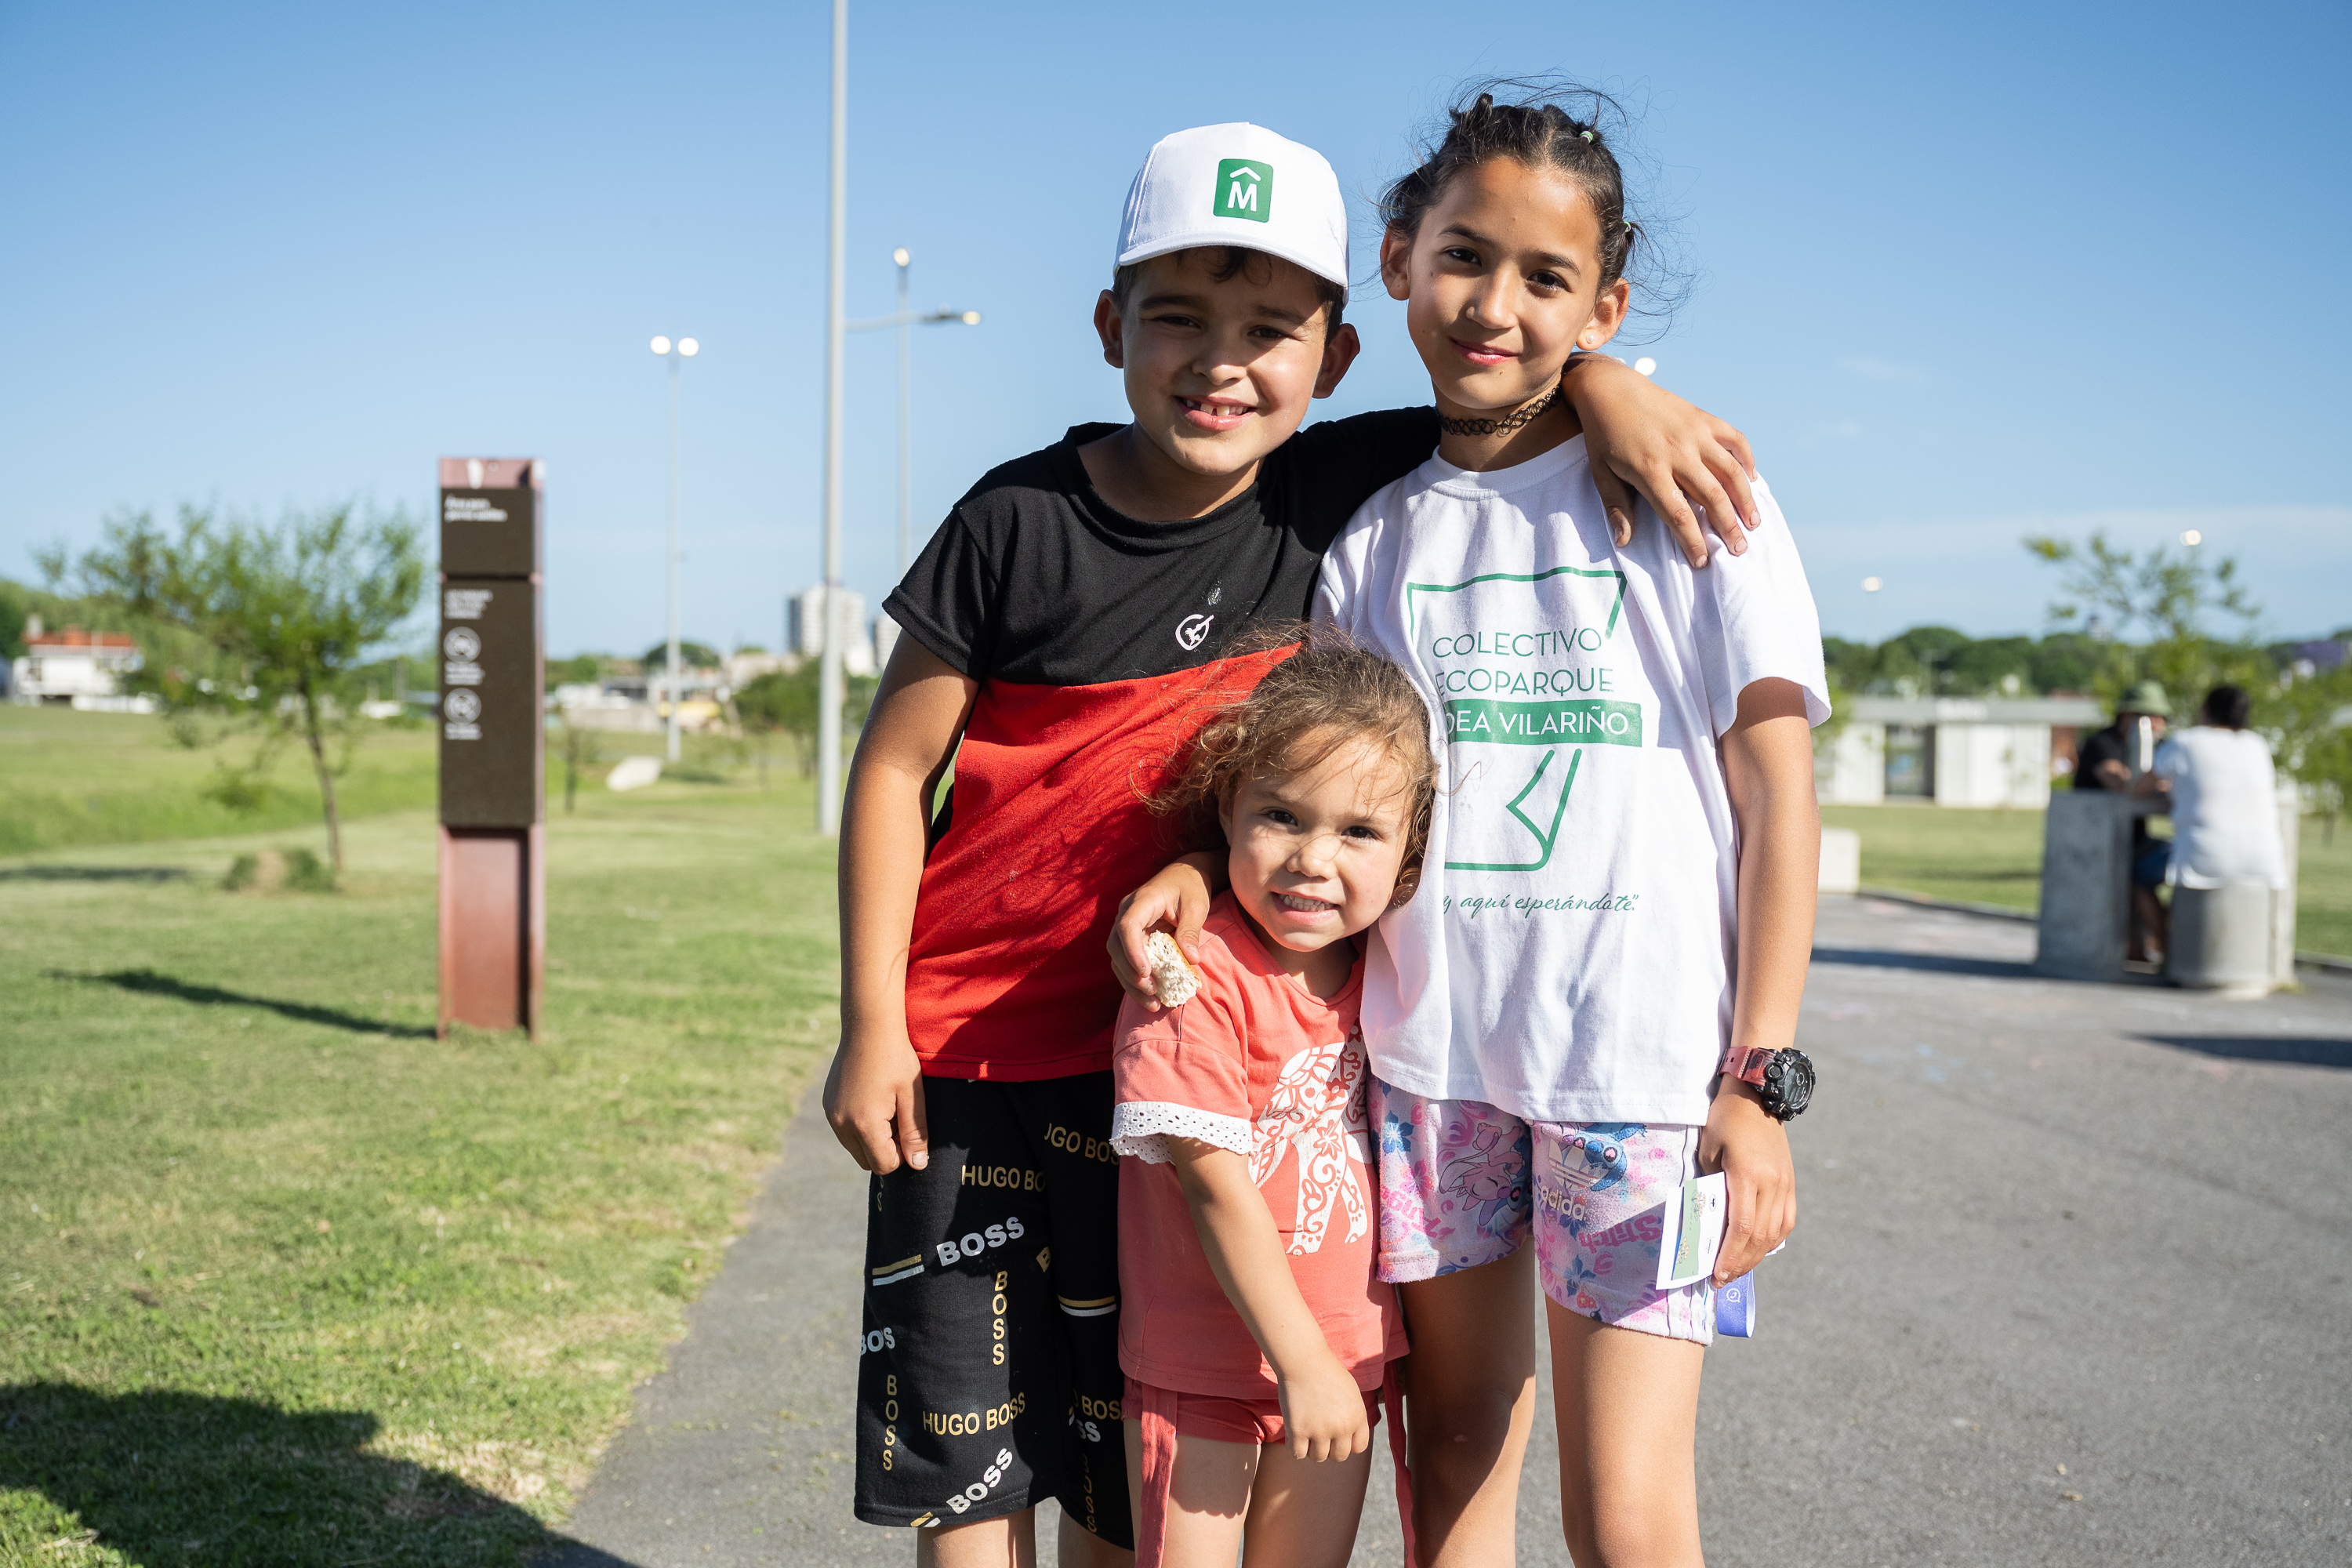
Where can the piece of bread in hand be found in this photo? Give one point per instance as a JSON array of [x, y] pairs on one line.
[[1173, 980]]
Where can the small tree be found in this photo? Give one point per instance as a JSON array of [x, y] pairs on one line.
[[2165, 598], [295, 610], [782, 702], [2299, 716], [785, 702]]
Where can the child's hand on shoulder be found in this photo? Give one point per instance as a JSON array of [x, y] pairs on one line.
[[1323, 1411]]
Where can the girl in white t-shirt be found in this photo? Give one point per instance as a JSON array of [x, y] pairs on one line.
[[1625, 824]]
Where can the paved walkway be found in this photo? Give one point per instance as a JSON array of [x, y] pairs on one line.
[[2071, 1286]]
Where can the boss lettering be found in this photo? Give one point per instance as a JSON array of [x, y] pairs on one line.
[[974, 1243], [1064, 1139]]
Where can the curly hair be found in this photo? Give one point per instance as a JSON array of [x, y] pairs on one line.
[[1330, 694]]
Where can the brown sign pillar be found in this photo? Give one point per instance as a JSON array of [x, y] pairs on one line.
[[493, 744]]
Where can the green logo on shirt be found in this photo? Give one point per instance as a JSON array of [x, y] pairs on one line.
[[1598, 722], [1244, 189]]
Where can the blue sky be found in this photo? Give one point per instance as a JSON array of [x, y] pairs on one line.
[[1961, 275]]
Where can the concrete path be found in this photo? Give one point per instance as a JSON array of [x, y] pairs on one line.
[[2106, 1228]]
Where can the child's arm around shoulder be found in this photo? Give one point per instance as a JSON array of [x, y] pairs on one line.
[[1768, 768], [874, 1093], [1642, 437]]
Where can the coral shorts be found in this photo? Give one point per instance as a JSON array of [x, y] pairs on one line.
[[1163, 1414], [1219, 1419], [1463, 1182]]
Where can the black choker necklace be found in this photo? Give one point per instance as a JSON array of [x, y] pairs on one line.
[[1523, 416], [1501, 426]]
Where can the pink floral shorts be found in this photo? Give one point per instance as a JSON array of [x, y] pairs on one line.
[[1462, 1183]]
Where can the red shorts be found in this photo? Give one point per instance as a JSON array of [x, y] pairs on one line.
[[1221, 1420], [1166, 1413]]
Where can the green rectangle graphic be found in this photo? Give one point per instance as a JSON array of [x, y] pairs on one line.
[[1592, 722]]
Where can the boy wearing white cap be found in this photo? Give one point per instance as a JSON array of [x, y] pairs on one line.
[[1065, 628]]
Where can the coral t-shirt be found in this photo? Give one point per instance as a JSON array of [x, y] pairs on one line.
[[1257, 1064]]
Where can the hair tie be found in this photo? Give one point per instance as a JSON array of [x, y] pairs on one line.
[[1586, 135]]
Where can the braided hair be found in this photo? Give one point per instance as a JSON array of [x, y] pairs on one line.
[[1539, 134]]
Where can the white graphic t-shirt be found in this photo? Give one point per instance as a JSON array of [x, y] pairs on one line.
[[1569, 954]]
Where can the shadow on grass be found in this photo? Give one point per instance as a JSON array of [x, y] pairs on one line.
[[191, 1480], [2303, 1049], [1929, 963], [146, 982], [92, 874]]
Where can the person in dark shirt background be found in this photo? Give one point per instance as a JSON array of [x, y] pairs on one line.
[[2113, 760]]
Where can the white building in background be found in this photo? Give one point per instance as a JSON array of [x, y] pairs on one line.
[[803, 632], [1945, 750], [886, 638], [72, 667]]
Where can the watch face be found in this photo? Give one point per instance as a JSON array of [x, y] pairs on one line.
[[1787, 1083]]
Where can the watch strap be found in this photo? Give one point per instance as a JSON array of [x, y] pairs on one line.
[[1747, 1063]]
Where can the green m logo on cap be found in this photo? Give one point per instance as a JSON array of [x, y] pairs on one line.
[[1244, 189]]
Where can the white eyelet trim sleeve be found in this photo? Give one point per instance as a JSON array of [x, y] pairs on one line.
[[1142, 1128]]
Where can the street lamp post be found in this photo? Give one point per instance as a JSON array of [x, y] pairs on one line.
[[684, 348], [828, 686], [906, 414], [906, 321]]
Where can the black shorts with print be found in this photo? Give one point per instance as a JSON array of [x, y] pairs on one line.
[[987, 1377]]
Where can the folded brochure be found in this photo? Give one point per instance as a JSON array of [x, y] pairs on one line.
[[1687, 1245]]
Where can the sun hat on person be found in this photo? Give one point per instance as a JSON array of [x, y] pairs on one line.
[[2147, 697], [1238, 185]]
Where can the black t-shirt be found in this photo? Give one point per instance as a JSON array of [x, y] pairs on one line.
[[1033, 578], [1098, 644], [2106, 745]]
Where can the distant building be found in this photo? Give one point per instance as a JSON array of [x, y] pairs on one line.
[[886, 638], [70, 666], [742, 668], [1943, 750], [804, 635]]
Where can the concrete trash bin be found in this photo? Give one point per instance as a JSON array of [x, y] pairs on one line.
[[2221, 938]]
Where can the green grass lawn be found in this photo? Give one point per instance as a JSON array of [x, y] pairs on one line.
[[1995, 857], [284, 1280], [68, 779]]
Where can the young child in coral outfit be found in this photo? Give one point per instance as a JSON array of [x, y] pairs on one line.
[[1254, 1334]]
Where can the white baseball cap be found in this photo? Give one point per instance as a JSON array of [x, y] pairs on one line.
[[1238, 185]]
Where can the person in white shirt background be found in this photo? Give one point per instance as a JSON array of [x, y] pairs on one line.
[[2225, 826]]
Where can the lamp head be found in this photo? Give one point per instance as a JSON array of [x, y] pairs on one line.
[[688, 347], [661, 346], [900, 256], [971, 317]]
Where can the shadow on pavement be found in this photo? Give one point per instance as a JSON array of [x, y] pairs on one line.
[[2302, 1049], [146, 982], [189, 1480], [93, 874], [1931, 962]]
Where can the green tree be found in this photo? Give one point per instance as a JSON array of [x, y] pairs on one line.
[[690, 655], [785, 702], [580, 669], [292, 610], [2306, 716], [2165, 598]]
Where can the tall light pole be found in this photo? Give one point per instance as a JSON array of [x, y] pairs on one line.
[[684, 348], [906, 321], [828, 687], [906, 412]]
